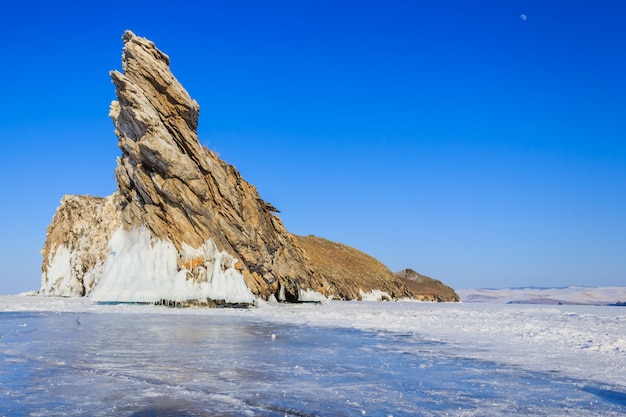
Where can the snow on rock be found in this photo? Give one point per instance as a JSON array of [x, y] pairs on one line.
[[375, 295], [141, 268], [310, 296], [77, 244], [60, 276]]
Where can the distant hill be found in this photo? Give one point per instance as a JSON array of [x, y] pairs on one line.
[[546, 296]]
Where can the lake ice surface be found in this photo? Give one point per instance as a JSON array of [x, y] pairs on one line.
[[73, 357]]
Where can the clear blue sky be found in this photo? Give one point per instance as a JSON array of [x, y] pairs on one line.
[[453, 137]]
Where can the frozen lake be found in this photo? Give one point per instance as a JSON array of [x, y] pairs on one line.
[[70, 357]]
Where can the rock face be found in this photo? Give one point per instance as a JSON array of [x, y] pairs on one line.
[[183, 224], [184, 193], [76, 245], [429, 289]]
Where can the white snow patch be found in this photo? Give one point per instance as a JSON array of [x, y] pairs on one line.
[[375, 295], [141, 268], [29, 293]]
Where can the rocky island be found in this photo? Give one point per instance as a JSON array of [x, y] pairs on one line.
[[184, 226]]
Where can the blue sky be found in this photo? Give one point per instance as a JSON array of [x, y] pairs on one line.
[[452, 137]]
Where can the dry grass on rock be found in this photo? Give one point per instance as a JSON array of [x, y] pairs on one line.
[[350, 269]]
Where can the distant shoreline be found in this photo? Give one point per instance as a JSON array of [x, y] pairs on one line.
[[573, 295]]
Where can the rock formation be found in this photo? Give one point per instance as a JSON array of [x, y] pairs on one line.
[[183, 224], [428, 289], [76, 246]]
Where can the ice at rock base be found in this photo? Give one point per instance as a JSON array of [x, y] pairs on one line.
[[61, 277], [141, 268], [310, 296]]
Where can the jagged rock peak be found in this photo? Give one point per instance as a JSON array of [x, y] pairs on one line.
[[147, 68], [148, 45], [184, 193]]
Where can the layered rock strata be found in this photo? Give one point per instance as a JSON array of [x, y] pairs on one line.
[[183, 224]]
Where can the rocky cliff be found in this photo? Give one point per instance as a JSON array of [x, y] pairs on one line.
[[427, 288], [183, 224]]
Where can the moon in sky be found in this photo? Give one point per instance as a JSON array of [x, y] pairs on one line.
[[522, 16]]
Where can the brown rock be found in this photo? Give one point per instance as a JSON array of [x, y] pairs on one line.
[[428, 289], [183, 192]]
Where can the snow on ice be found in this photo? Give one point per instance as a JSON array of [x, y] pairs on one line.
[[332, 359]]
